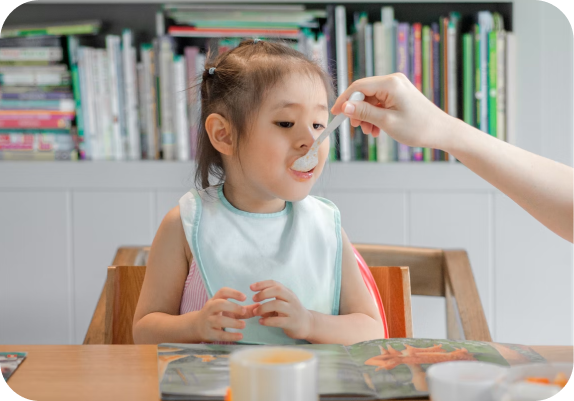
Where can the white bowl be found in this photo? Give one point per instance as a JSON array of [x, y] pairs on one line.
[[463, 380], [512, 386]]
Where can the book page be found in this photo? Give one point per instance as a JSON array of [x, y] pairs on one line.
[[397, 367], [201, 371]]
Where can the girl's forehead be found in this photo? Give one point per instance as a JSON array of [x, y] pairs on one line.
[[298, 88]]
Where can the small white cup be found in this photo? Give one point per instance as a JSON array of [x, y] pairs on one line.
[[273, 374], [463, 380]]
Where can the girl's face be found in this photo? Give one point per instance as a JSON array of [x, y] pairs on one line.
[[292, 116]]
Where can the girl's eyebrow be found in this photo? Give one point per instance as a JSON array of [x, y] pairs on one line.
[[288, 104]]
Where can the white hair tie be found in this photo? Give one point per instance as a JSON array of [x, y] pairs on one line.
[[211, 70]]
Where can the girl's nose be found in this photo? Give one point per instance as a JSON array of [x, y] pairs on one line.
[[305, 139]]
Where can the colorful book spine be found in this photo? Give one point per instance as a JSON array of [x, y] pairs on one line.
[[31, 53], [51, 105], [426, 77], [468, 78], [477, 77], [113, 49], [34, 96], [486, 24], [501, 85], [342, 77], [32, 78], [73, 44], [168, 143], [403, 66], [492, 84], [22, 122], [417, 74], [150, 101], [180, 109], [131, 104], [452, 75]]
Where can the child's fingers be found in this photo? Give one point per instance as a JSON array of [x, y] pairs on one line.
[[273, 306], [229, 293], [223, 305], [220, 335], [278, 292], [221, 322], [261, 285], [249, 311], [280, 322]]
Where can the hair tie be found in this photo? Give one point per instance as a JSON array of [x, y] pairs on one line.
[[256, 40], [211, 70]]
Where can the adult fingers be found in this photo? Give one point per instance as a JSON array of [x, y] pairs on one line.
[[276, 306], [365, 112], [229, 293], [222, 305], [371, 87], [220, 322]]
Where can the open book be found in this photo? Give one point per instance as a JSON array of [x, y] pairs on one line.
[[393, 368]]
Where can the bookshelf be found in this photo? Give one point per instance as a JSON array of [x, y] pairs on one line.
[[90, 208]]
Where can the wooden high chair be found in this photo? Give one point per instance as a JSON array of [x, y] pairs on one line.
[[433, 272]]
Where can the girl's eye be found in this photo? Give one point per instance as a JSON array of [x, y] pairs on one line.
[[318, 126], [285, 124]]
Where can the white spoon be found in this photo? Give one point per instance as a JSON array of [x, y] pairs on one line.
[[311, 159]]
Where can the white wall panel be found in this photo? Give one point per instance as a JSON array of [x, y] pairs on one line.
[[165, 201], [556, 85], [533, 274], [372, 218], [34, 268], [103, 221], [456, 221]]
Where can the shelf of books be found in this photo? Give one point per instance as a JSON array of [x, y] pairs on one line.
[[82, 90]]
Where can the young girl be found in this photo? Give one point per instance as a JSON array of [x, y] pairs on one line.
[[256, 237]]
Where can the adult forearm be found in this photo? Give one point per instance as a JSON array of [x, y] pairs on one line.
[[541, 186], [156, 328], [344, 329]]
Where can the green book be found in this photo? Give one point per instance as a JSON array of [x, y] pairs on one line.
[[441, 64], [477, 79], [492, 84], [56, 29], [372, 148], [468, 79]]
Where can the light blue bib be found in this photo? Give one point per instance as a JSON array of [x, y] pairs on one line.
[[299, 247]]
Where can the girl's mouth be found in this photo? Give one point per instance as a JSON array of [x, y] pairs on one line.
[[302, 176]]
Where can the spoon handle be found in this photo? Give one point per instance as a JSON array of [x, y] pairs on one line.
[[334, 124]]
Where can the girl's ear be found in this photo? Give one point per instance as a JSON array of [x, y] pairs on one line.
[[219, 131]]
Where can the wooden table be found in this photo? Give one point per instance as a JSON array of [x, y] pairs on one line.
[[114, 372]]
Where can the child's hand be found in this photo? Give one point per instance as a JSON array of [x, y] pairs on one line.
[[219, 313], [285, 311]]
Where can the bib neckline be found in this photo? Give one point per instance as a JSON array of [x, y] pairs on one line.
[[233, 209]]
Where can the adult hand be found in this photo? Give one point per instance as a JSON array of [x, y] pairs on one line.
[[219, 313], [285, 311], [394, 105]]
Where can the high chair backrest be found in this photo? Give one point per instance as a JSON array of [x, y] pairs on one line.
[[124, 283]]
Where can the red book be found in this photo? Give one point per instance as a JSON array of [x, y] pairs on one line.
[[25, 123], [418, 62], [36, 115]]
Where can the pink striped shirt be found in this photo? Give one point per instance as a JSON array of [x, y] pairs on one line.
[[195, 294]]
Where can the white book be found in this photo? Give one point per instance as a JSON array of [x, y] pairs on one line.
[[501, 85], [148, 105], [511, 89], [166, 91], [486, 23], [180, 103], [104, 104], [342, 78], [31, 78], [112, 46], [31, 54], [159, 24], [95, 132], [130, 90], [141, 109]]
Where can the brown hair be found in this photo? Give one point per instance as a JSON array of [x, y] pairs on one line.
[[236, 89]]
